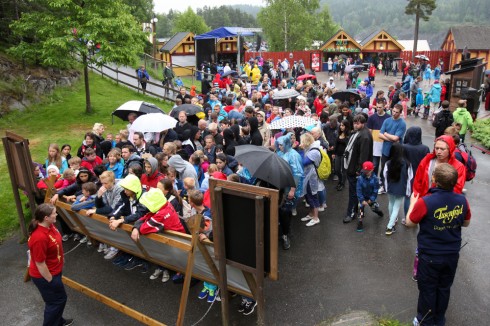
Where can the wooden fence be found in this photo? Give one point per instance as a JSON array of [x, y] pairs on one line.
[[433, 56]]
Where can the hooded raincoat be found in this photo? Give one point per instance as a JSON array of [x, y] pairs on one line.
[[162, 214], [423, 176], [294, 160]]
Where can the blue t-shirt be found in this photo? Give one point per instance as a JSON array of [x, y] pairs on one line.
[[393, 127]]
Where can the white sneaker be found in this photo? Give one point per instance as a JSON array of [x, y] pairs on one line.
[[306, 218], [102, 247], [306, 204], [294, 212], [84, 239], [335, 178], [313, 222], [321, 208], [111, 254], [156, 274], [165, 276]]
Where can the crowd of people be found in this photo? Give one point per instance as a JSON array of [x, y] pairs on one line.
[[155, 181]]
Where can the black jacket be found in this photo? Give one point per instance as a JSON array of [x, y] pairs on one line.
[[255, 136], [361, 151]]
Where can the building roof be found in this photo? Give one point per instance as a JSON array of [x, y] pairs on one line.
[[174, 41], [336, 35], [474, 37], [366, 37], [422, 45]]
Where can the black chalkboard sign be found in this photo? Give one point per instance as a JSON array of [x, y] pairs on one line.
[[239, 218]]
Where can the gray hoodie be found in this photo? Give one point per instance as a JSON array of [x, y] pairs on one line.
[[185, 169]]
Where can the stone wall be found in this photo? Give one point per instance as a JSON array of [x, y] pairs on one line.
[[22, 86]]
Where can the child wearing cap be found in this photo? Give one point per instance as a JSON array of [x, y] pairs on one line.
[[367, 192]]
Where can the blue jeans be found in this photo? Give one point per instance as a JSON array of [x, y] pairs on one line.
[[394, 204], [435, 275], [54, 297]]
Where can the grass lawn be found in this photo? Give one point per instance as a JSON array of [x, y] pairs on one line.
[[60, 119]]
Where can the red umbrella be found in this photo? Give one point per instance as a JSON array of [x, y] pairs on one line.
[[306, 76]]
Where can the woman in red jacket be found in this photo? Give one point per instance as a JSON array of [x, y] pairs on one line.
[[443, 153], [46, 263]]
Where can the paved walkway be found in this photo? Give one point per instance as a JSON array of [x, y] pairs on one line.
[[330, 270]]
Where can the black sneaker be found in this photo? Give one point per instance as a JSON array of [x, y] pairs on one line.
[[379, 212], [241, 308], [389, 231], [68, 322], [249, 307], [360, 227], [348, 218], [133, 264], [286, 244]]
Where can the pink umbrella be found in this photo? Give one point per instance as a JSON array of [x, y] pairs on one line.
[[306, 76]]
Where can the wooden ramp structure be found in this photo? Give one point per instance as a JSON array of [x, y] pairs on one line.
[[174, 250]]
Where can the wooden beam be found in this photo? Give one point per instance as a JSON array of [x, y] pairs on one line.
[[111, 303], [194, 227]]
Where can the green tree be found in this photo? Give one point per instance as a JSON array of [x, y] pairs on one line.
[[189, 21], [422, 9], [70, 32], [289, 24], [164, 25], [325, 25], [142, 10]]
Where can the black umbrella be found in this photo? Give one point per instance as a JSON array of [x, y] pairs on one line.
[[265, 165], [230, 72], [138, 107], [190, 109], [344, 96]]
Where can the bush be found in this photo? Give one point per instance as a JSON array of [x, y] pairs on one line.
[[482, 132]]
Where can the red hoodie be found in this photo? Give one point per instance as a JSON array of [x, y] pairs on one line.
[[421, 181]]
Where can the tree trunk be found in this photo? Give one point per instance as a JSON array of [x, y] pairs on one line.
[[416, 34], [88, 105], [285, 32]]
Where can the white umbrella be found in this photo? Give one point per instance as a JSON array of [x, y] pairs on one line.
[[153, 122], [292, 121], [284, 94]]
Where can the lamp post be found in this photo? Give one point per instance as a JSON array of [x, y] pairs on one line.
[[153, 21]]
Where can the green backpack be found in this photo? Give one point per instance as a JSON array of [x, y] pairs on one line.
[[324, 169]]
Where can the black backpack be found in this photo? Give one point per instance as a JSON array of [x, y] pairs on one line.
[[442, 120]]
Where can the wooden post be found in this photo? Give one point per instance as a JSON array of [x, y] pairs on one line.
[[259, 258], [196, 221], [221, 255], [111, 303]]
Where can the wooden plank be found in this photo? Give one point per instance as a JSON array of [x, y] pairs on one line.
[[259, 258], [160, 237], [15, 189], [111, 303], [219, 248], [196, 222]]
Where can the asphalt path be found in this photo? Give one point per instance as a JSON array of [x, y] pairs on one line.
[[330, 269]]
